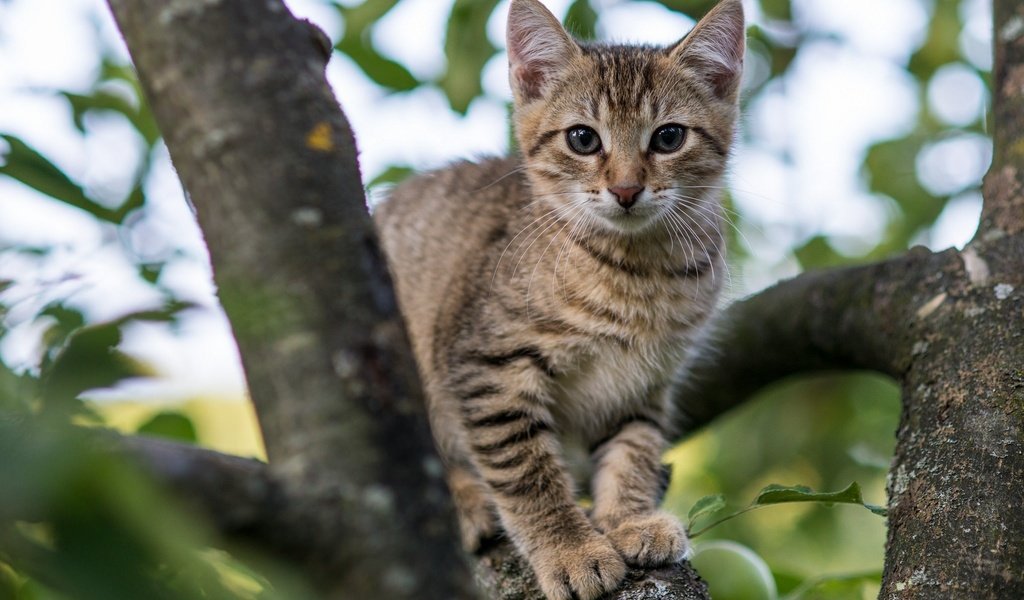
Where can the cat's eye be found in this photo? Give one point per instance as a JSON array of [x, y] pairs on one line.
[[583, 139], [668, 138]]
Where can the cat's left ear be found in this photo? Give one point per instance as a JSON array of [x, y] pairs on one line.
[[539, 49], [714, 48]]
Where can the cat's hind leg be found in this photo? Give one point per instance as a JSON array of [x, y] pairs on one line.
[[478, 522]]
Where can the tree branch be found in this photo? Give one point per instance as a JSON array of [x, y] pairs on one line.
[[238, 495], [1003, 209], [841, 319], [270, 163], [243, 501]]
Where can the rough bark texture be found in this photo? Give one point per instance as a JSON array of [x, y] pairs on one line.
[[353, 486], [269, 162], [851, 318], [956, 485]]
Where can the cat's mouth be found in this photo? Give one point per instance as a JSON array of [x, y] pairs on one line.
[[631, 219]]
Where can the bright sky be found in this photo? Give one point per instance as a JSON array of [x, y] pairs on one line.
[[837, 99]]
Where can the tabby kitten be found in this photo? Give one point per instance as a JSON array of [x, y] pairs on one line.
[[551, 296]]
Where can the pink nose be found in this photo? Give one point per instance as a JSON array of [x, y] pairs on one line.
[[626, 195]]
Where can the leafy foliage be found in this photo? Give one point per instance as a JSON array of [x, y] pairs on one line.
[[777, 494]]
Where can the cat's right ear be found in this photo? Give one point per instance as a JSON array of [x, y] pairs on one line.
[[714, 49], [538, 48]]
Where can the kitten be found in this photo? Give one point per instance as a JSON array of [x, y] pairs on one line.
[[550, 297]]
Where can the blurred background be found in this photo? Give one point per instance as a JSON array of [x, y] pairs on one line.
[[865, 132]]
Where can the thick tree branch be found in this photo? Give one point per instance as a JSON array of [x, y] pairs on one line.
[[238, 495], [269, 161], [1003, 211], [841, 319], [242, 500]]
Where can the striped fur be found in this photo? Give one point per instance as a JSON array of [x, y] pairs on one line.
[[543, 313]]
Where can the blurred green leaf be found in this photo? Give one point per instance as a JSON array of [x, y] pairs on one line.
[[172, 425], [17, 390], [392, 175], [356, 44], [694, 9], [777, 9], [890, 170], [89, 360], [150, 272], [835, 587], [100, 530], [467, 48], [818, 253], [66, 321], [28, 166], [942, 44], [706, 506], [581, 20], [101, 100], [780, 55], [9, 583]]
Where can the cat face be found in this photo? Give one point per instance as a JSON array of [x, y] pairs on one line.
[[624, 136]]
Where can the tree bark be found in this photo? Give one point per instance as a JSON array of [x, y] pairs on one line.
[[269, 162]]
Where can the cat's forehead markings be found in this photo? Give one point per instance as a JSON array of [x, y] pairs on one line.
[[625, 76]]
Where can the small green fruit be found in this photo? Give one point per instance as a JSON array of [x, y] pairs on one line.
[[734, 572]]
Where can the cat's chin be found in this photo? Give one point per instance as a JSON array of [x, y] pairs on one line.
[[628, 222]]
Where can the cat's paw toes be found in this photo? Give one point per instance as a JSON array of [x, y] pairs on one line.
[[581, 571], [651, 540]]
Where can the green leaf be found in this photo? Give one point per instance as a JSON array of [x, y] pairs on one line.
[[66, 321], [694, 9], [8, 583], [581, 20], [356, 44], [834, 587], [818, 253], [708, 505], [392, 175], [780, 494], [171, 425], [89, 360], [942, 44], [102, 100], [890, 171], [777, 9], [150, 272], [24, 164], [467, 48]]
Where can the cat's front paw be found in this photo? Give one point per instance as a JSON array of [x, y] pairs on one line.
[[651, 540], [579, 571]]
